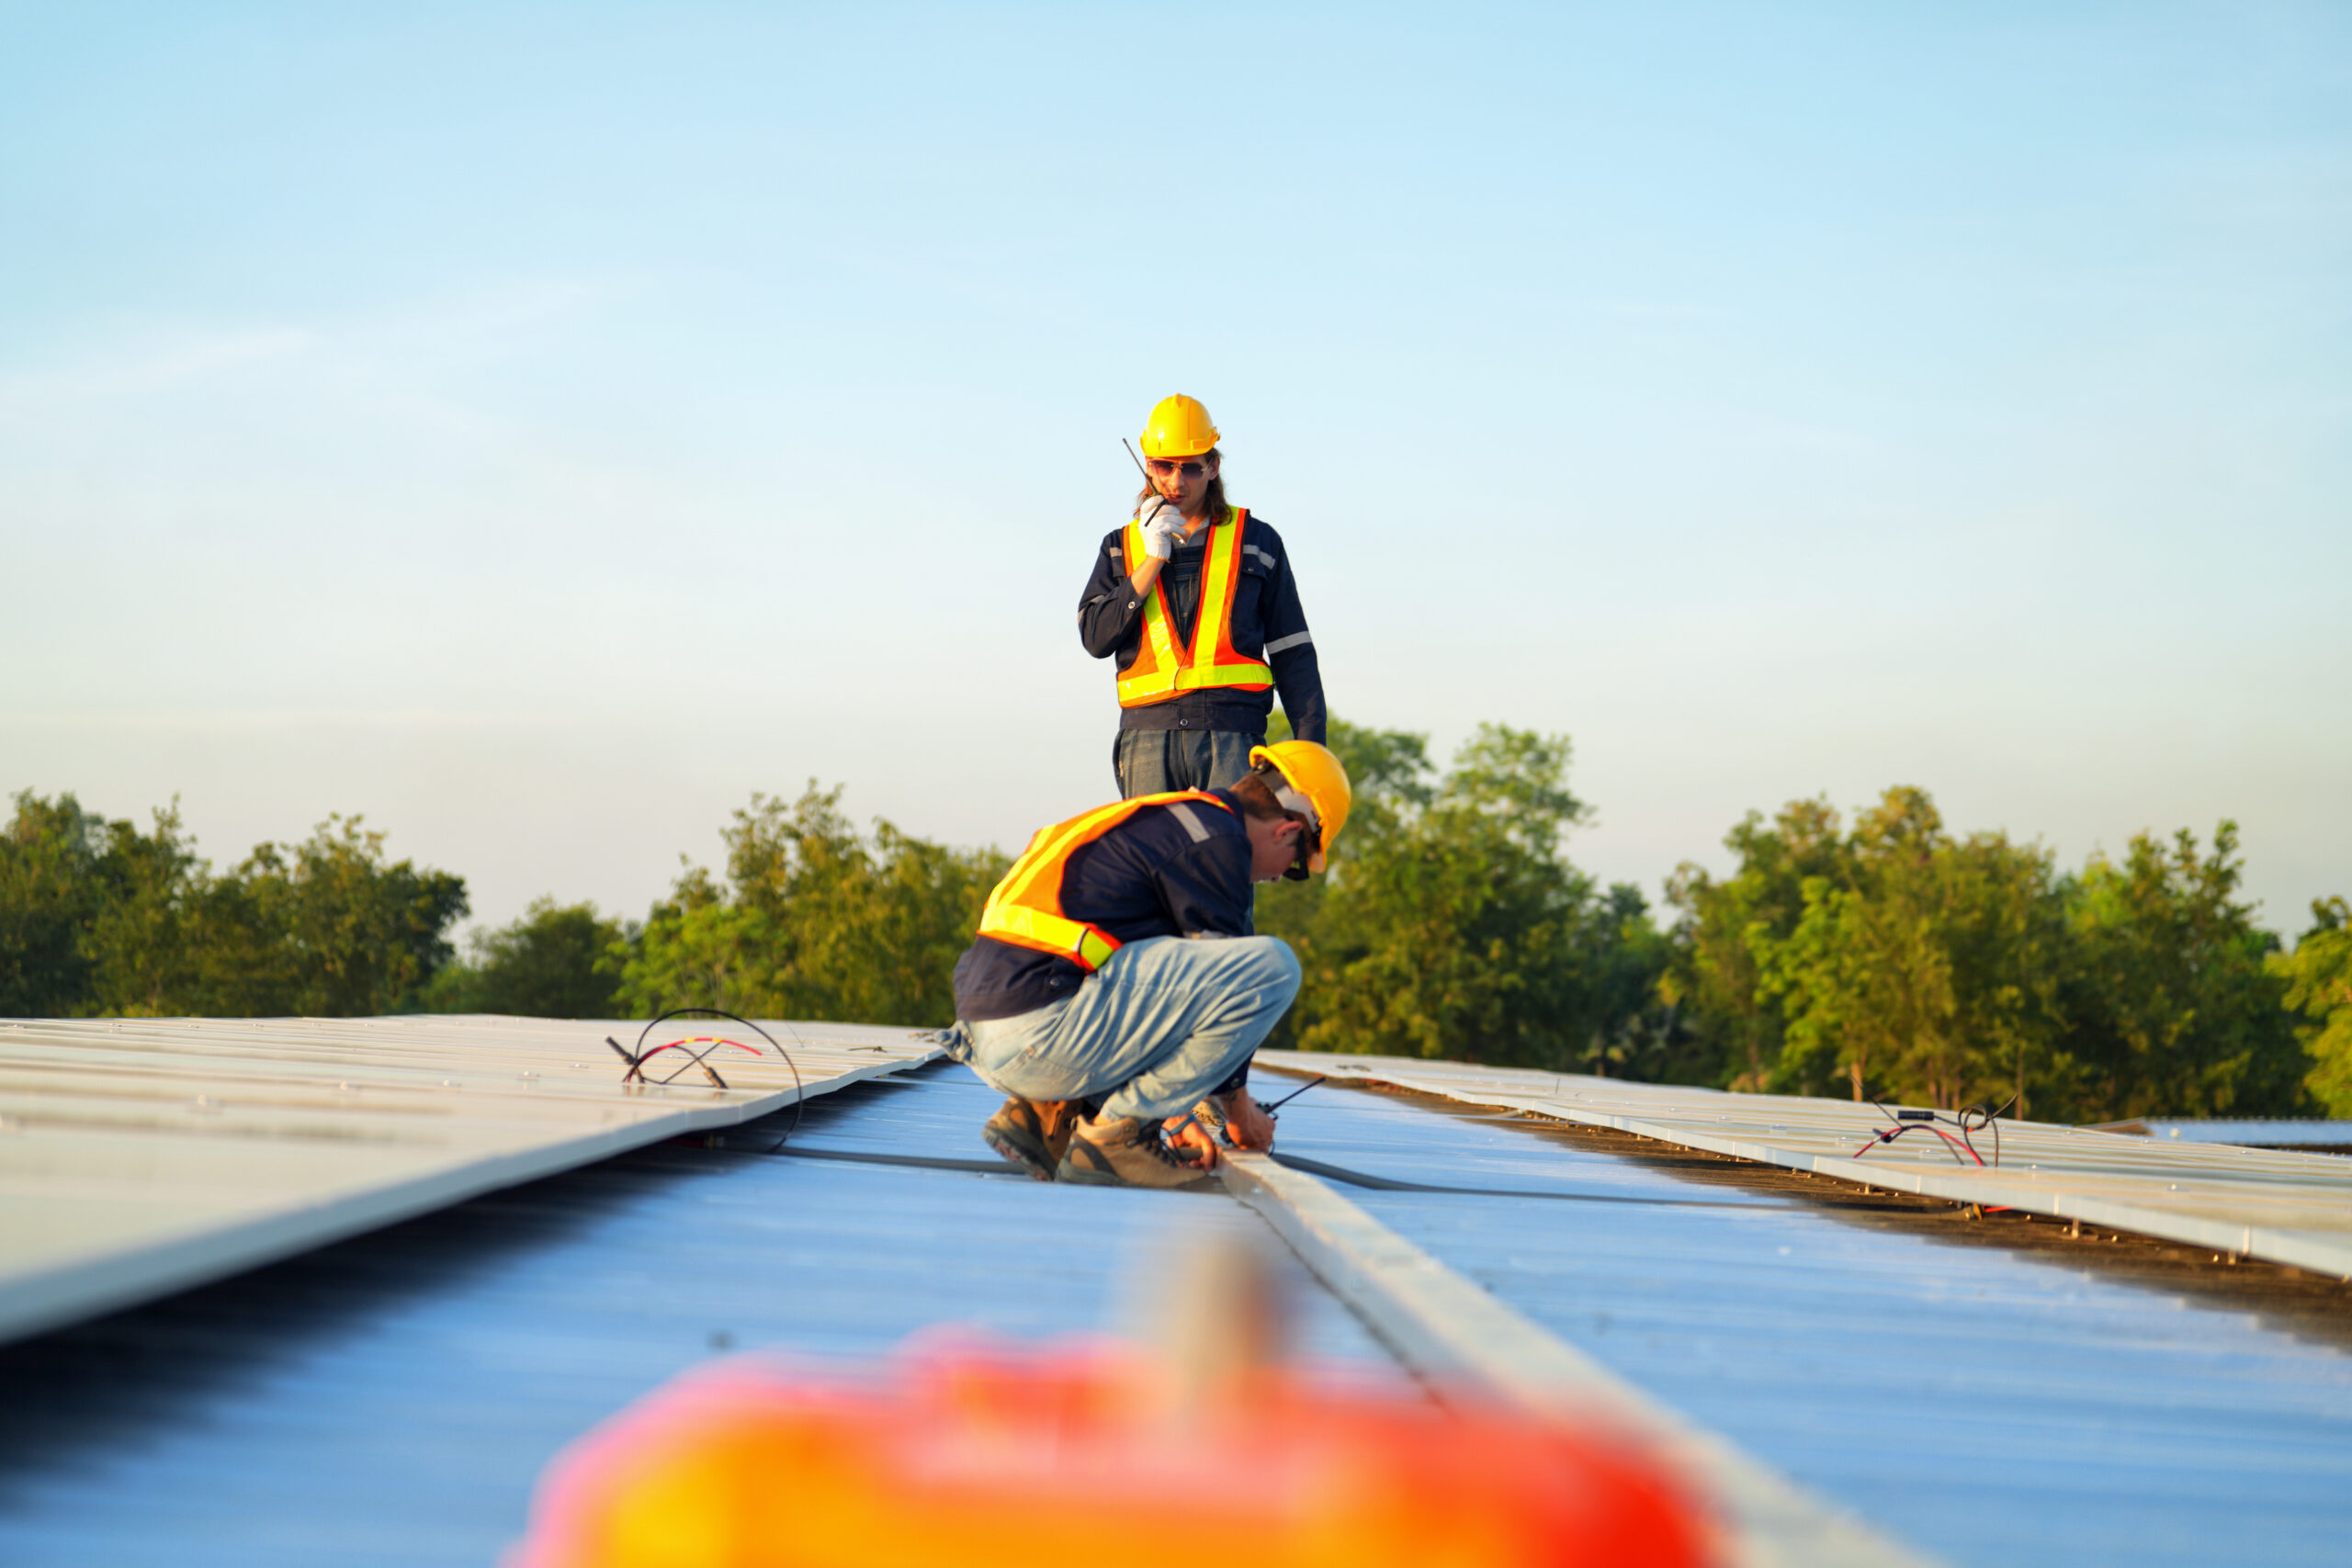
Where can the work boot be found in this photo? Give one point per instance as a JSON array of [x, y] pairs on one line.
[[1032, 1134], [1125, 1152]]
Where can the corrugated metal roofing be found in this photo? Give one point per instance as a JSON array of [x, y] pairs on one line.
[[142, 1155], [2287, 1207], [1466, 1340], [2256, 1134], [390, 1399], [1997, 1408]]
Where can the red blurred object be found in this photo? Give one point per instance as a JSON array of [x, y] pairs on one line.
[[970, 1453]]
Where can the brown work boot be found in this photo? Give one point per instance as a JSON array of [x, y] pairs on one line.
[[1127, 1152], [1032, 1134]]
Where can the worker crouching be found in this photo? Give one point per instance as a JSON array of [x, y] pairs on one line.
[[1114, 990]]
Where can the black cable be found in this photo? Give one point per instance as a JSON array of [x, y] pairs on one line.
[[1390, 1184], [922, 1162], [1910, 1121], [1294, 1162], [1277, 1105], [637, 1061]]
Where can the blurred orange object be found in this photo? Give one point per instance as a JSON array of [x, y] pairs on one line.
[[987, 1454]]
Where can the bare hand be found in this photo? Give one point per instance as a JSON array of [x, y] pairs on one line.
[[1187, 1136], [1248, 1127]]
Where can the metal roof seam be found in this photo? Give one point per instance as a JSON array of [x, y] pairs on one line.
[[1445, 1327], [2276, 1177]]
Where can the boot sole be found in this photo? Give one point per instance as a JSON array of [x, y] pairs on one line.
[[1013, 1151]]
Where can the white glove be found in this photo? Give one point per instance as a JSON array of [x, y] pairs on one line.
[[1163, 525]]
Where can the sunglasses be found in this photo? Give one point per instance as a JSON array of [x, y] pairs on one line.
[[1163, 467]]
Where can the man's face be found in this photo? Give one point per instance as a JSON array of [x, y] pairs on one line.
[[1183, 480], [1273, 847]]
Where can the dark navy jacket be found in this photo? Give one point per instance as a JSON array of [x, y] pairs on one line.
[[1178, 869], [1267, 623]]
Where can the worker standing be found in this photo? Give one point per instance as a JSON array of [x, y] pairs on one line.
[[1195, 600], [1081, 998]]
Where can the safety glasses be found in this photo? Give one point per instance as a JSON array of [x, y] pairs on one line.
[[1164, 467]]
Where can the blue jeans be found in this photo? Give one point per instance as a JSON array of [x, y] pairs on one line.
[[1161, 1024], [1154, 762]]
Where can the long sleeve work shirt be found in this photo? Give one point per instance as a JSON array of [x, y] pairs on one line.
[[1267, 623], [1177, 869]]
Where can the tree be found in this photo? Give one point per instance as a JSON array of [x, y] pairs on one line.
[[1637, 1033], [1714, 976], [98, 918], [50, 892], [1451, 923], [815, 922], [322, 929], [2318, 986], [1925, 968], [557, 961], [2171, 1010]]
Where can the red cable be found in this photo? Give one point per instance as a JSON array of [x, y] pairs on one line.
[[697, 1040]]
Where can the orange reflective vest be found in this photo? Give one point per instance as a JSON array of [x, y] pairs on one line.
[[1162, 669], [1027, 908]]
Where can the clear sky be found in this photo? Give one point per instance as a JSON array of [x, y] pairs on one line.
[[536, 427]]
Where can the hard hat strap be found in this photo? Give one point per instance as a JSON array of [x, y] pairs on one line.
[[1291, 800]]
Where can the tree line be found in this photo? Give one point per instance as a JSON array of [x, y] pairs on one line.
[[1880, 954]]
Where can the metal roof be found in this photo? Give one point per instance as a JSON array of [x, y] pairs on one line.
[[2287, 1207], [391, 1398], [141, 1156], [2263, 1133], [1472, 1347], [1994, 1407]]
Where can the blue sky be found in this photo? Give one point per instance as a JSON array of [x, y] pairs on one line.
[[538, 427]]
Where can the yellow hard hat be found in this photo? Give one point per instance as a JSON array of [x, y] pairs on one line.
[[1316, 786], [1179, 427]]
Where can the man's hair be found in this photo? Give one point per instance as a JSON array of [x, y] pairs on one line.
[[1257, 797], [1212, 504]]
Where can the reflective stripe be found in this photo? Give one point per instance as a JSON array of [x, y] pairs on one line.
[[1272, 564], [1281, 644], [1160, 670], [1025, 909]]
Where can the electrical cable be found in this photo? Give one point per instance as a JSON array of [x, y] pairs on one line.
[[1390, 1184], [1967, 1119], [710, 1043], [1294, 1162]]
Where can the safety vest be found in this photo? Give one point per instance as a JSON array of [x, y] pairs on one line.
[[1027, 908], [1162, 669]]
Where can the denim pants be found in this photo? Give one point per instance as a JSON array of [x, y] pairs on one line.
[[1154, 762], [1161, 1024]]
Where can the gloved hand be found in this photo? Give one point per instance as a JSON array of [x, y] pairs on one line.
[[1163, 525]]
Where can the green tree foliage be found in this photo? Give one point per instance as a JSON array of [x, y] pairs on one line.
[[558, 960], [101, 920], [1941, 970], [814, 921], [2171, 1008], [1451, 923], [1715, 981], [1923, 962], [54, 883], [2318, 976]]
